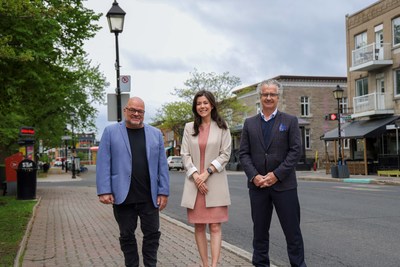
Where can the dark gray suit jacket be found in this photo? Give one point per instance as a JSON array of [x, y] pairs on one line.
[[280, 155]]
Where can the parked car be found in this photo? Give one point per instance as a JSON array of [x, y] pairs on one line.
[[175, 162], [57, 163]]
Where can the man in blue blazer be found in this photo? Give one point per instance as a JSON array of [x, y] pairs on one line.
[[269, 150], [132, 174]]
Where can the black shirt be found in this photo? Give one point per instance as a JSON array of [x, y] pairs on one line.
[[139, 190]]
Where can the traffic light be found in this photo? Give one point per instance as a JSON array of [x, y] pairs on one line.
[[331, 117]]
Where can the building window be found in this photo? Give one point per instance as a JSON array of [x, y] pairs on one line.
[[305, 106], [343, 105], [258, 107], [396, 31], [397, 82], [362, 87], [307, 138], [346, 143], [360, 40], [380, 83]]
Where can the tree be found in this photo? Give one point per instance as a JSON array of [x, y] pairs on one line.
[[174, 115], [46, 74]]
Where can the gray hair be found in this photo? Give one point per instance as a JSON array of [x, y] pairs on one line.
[[268, 83]]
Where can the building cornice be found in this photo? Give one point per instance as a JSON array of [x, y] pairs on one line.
[[301, 81], [375, 10]]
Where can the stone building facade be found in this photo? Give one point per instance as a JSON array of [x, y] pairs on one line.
[[311, 99]]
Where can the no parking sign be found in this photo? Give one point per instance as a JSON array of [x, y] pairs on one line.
[[125, 83]]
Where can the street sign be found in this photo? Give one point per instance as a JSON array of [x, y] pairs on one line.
[[26, 136], [112, 106], [26, 131], [125, 83], [40, 146], [66, 137]]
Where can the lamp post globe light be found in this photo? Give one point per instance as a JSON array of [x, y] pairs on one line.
[[115, 17], [342, 170]]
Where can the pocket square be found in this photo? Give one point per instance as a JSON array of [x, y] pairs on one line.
[[282, 127]]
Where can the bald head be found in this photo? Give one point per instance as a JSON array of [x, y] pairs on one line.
[[135, 100], [134, 113]]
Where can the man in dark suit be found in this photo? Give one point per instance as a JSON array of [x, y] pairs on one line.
[[269, 150]]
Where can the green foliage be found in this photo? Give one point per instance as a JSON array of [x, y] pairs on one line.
[[44, 158], [174, 115], [220, 84], [82, 156], [46, 74], [14, 218]]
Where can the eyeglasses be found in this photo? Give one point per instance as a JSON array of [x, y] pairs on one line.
[[133, 111], [269, 95]]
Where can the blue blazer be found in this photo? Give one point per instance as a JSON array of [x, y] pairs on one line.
[[279, 155], [114, 162]]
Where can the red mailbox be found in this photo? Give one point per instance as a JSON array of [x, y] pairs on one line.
[[12, 163]]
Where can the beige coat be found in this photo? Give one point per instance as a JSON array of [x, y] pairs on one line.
[[218, 151]]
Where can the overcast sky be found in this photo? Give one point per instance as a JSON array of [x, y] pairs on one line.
[[164, 40]]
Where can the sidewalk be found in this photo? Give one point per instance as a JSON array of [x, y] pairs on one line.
[[70, 227], [320, 175]]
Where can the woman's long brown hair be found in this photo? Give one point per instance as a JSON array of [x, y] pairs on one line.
[[214, 112]]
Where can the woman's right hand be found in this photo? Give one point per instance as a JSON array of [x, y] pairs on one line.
[[203, 188], [200, 183]]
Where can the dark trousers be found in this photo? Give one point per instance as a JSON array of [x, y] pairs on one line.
[[126, 216], [287, 208]]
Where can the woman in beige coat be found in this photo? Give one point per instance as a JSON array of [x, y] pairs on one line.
[[206, 148]]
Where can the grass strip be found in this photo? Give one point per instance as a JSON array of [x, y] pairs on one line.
[[14, 218]]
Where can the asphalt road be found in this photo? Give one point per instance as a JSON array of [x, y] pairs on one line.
[[343, 224]]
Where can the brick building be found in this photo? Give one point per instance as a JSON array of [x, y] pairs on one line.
[[373, 71], [310, 98]]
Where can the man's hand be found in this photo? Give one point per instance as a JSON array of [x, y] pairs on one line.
[[106, 199], [162, 202], [267, 180]]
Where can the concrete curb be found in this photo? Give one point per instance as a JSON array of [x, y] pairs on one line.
[[22, 245], [235, 250], [352, 180]]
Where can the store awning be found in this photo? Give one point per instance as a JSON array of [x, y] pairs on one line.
[[360, 129]]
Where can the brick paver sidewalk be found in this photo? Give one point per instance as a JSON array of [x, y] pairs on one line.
[[71, 228]]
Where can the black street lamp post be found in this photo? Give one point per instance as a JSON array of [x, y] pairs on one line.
[[65, 161], [72, 114], [338, 94], [342, 170], [115, 17]]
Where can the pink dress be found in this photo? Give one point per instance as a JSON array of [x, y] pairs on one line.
[[200, 213]]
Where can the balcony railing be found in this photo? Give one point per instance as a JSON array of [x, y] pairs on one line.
[[370, 104], [371, 57]]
